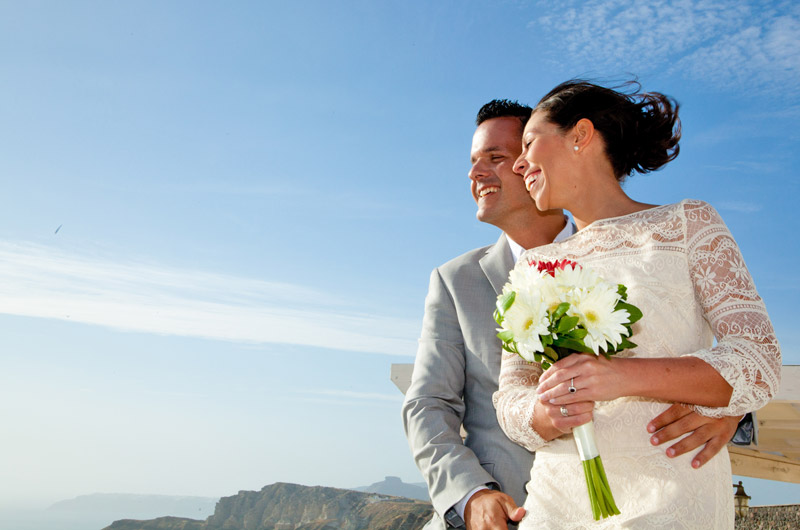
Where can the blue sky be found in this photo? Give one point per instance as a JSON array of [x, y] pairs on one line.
[[251, 197]]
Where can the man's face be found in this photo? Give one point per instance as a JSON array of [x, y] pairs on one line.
[[498, 191]]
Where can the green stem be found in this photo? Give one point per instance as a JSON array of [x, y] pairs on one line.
[[592, 494], [607, 488], [597, 488]]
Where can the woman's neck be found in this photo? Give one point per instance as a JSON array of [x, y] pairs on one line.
[[604, 202]]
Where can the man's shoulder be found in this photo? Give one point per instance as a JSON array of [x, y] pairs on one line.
[[465, 260]]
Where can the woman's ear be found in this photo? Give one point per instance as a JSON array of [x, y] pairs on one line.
[[582, 134]]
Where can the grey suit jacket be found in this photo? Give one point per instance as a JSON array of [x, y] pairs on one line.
[[455, 375]]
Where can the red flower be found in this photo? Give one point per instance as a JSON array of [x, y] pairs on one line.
[[551, 266]]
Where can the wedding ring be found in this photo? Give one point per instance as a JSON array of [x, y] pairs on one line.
[[572, 388], [564, 412]]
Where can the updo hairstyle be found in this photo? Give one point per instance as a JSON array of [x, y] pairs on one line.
[[640, 130]]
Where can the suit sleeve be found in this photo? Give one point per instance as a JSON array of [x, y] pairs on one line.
[[434, 409]]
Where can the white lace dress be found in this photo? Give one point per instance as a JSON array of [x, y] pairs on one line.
[[685, 272]]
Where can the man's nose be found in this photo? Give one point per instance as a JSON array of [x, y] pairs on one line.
[[478, 171]]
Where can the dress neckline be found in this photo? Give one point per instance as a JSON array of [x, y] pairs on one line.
[[623, 216]]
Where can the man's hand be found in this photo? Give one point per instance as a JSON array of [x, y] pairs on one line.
[[679, 420], [491, 510]]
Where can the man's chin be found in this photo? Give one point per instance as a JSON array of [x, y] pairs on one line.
[[486, 217]]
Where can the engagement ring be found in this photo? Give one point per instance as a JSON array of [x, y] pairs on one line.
[[564, 412], [572, 388]]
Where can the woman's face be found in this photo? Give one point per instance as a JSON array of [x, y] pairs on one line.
[[545, 163]]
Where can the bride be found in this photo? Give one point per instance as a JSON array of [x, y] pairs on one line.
[[684, 271]]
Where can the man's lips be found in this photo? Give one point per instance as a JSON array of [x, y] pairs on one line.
[[483, 192]]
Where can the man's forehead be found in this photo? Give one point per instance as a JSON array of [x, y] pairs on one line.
[[495, 139], [485, 150]]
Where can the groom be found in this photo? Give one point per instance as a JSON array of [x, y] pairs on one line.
[[479, 483]]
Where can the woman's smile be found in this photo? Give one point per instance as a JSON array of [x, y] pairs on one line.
[[531, 177]]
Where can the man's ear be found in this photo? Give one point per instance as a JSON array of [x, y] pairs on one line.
[[582, 134]]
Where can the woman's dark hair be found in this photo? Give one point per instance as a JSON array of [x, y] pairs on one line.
[[641, 130]]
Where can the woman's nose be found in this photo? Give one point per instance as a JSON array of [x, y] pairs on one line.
[[520, 165]]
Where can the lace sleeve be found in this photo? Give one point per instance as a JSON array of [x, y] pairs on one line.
[[516, 399], [747, 353]]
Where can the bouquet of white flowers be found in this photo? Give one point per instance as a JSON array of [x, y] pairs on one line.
[[549, 310]]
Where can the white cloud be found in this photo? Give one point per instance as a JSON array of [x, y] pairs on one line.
[[739, 206], [351, 395], [743, 44], [43, 282]]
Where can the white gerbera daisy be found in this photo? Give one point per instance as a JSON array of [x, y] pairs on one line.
[[595, 310], [551, 293], [522, 276], [527, 320], [570, 278]]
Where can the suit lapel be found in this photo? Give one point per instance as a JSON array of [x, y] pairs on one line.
[[497, 263]]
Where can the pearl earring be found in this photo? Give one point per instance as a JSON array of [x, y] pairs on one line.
[[575, 147]]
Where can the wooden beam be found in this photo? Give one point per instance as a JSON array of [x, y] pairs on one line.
[[752, 463]]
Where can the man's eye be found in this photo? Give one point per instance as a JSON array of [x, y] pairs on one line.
[[497, 158]]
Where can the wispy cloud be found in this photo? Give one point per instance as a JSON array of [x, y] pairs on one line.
[[39, 281], [743, 44], [351, 395], [739, 206], [744, 166]]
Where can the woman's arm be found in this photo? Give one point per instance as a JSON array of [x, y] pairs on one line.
[[740, 374], [682, 380], [522, 417], [747, 353]]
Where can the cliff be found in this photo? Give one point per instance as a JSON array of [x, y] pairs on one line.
[[284, 506], [396, 487]]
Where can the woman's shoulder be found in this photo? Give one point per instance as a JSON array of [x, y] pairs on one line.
[[698, 212], [684, 206], [689, 210]]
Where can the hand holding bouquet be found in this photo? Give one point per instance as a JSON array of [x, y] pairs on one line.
[[549, 310]]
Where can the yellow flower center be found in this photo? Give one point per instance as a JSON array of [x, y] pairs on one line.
[[591, 316], [528, 324]]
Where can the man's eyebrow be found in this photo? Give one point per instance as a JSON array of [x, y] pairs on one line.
[[490, 149]]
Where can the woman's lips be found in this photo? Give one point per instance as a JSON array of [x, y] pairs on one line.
[[530, 178]]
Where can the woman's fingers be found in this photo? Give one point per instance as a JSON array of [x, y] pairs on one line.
[[571, 366], [564, 418], [572, 390], [594, 378], [556, 371]]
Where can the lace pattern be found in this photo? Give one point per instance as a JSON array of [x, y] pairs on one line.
[[684, 270], [514, 401], [747, 354]]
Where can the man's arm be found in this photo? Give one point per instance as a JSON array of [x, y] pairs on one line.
[[434, 409], [712, 434]]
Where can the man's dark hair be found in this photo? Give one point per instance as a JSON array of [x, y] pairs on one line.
[[504, 108]]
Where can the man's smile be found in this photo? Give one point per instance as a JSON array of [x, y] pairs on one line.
[[483, 192]]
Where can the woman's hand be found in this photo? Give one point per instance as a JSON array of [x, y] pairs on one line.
[[550, 421], [595, 378], [583, 378]]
